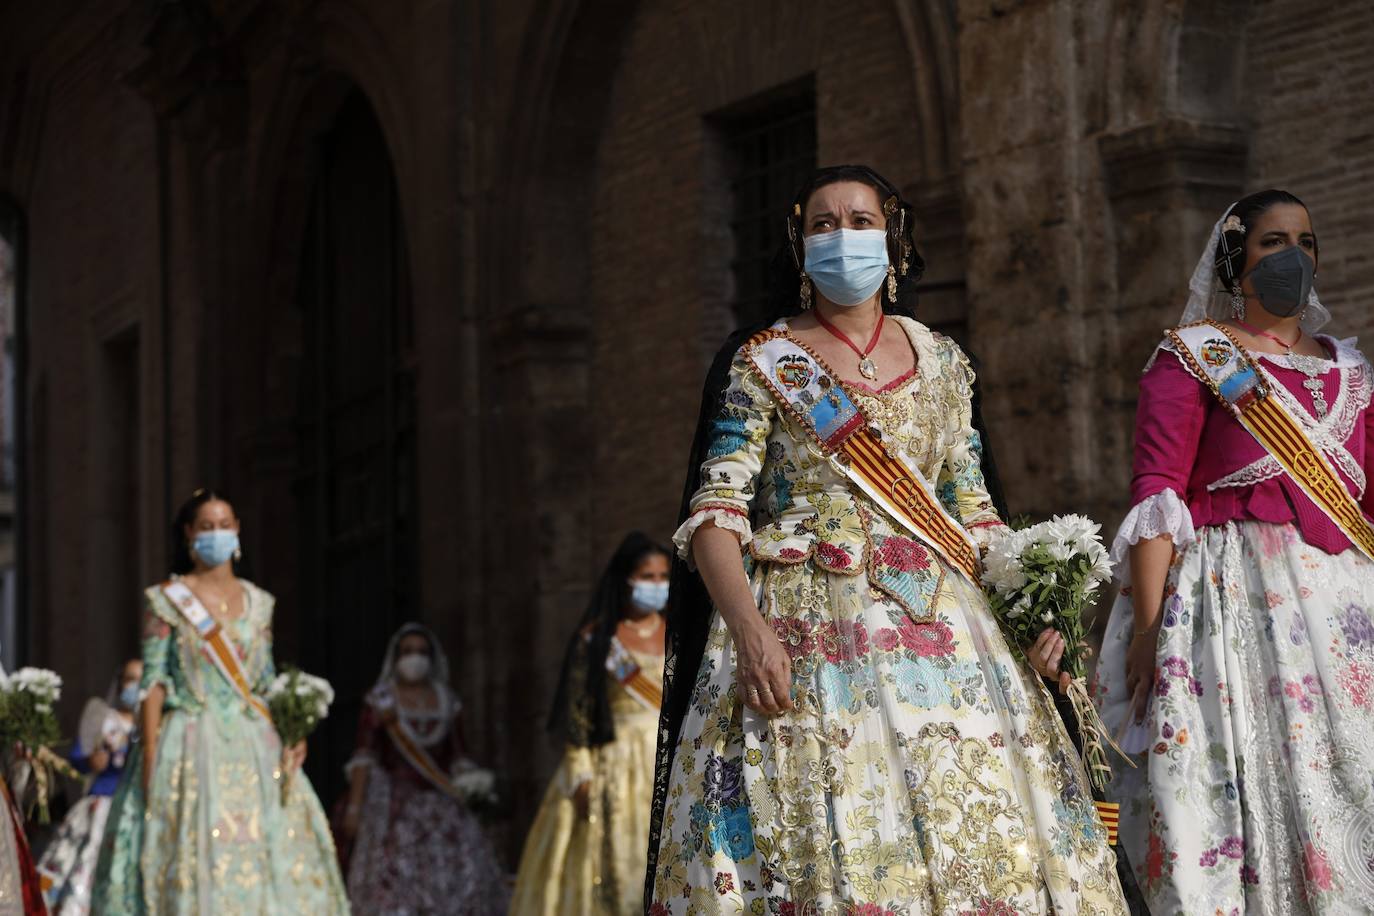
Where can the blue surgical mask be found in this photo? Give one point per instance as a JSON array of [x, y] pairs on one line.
[[847, 265], [128, 696], [648, 596], [215, 547]]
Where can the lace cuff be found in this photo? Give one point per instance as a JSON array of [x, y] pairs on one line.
[[984, 533], [725, 515], [577, 768], [360, 759], [1160, 514]]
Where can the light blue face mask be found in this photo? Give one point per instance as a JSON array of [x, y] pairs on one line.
[[650, 597], [216, 547], [128, 696], [847, 265]]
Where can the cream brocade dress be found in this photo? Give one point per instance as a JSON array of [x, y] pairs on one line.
[[924, 769], [596, 866]]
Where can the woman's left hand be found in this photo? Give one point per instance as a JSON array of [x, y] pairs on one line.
[[293, 757], [1044, 657]]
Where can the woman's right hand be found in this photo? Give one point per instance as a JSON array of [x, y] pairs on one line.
[[352, 813], [1140, 670], [582, 800], [763, 671]]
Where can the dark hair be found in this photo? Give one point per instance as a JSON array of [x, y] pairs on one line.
[[581, 707], [901, 240], [1230, 253], [182, 561]]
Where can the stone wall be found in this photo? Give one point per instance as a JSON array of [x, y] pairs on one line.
[[562, 200]]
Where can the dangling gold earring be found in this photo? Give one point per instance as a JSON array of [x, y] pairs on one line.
[[1237, 302], [891, 284], [805, 291]]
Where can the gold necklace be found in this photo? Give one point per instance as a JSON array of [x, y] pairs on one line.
[[645, 632]]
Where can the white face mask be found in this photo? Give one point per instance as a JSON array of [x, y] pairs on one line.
[[649, 597], [413, 666]]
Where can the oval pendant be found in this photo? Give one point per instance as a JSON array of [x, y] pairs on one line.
[[867, 369]]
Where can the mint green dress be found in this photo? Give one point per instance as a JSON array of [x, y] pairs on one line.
[[212, 835]]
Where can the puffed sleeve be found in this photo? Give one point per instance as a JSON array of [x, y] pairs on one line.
[[159, 650], [262, 660], [1367, 501], [960, 485], [1169, 419], [737, 441], [368, 746]]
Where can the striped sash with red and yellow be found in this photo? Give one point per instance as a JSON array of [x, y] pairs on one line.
[[218, 648], [1216, 358], [809, 391]]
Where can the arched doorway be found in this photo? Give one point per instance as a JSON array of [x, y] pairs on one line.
[[354, 486]]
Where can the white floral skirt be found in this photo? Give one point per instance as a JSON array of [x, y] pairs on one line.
[[1255, 794], [923, 771], [67, 868]]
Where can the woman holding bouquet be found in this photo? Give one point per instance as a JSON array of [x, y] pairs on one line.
[[845, 728], [20, 890], [415, 845], [585, 852], [1239, 661], [102, 746], [198, 824]]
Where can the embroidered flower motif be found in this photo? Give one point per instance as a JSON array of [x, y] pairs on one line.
[[791, 553], [833, 556], [904, 555], [828, 635], [724, 781], [659, 909], [753, 756], [927, 640], [1208, 858], [868, 909], [920, 683], [885, 639], [1176, 666], [1316, 869], [732, 834], [795, 636], [1358, 628], [986, 906], [725, 883], [1233, 847]]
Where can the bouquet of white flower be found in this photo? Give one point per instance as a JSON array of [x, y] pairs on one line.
[[298, 703], [476, 785], [1047, 575], [28, 723]]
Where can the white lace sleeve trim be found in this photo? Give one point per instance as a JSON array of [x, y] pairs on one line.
[[724, 518], [1160, 514]]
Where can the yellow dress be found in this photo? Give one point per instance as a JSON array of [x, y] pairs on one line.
[[572, 866]]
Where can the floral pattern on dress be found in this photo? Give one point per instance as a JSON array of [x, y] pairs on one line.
[[1256, 790], [923, 769], [212, 833]]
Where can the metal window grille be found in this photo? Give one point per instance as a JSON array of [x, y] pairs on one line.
[[770, 152]]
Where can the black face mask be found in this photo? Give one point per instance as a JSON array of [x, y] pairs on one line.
[[1283, 280]]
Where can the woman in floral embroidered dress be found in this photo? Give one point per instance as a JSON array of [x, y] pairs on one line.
[[415, 848], [1240, 658], [585, 852], [198, 824], [845, 729]]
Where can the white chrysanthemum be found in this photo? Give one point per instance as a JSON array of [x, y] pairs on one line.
[[42, 683]]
